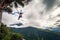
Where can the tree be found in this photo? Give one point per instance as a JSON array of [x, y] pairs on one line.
[[42, 38], [5, 34], [16, 36], [5, 3]]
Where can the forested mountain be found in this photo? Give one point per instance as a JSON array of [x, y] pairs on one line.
[[31, 33]]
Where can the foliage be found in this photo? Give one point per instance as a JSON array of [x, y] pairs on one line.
[[9, 10], [5, 3], [15, 36], [20, 2], [5, 34], [3, 31], [15, 5]]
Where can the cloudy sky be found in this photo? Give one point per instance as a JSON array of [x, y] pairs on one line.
[[37, 13]]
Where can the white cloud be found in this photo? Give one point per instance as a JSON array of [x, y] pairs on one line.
[[34, 14]]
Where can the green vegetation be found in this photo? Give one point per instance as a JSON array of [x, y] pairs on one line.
[[19, 1], [8, 9], [5, 34], [31, 33], [15, 36]]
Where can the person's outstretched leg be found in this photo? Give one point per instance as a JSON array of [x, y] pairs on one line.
[[18, 17]]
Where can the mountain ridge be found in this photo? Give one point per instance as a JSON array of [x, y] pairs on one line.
[[31, 33]]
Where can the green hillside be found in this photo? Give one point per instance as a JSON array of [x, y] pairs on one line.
[[31, 33]]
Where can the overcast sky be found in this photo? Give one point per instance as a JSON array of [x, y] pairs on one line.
[[38, 13]]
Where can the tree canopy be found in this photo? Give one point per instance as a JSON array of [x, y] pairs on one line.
[[5, 34]]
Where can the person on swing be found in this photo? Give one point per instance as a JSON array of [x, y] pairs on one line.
[[20, 15]]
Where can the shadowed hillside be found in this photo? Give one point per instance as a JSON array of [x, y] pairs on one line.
[[31, 33]]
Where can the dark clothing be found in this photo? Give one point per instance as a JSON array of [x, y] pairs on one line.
[[21, 13], [20, 16]]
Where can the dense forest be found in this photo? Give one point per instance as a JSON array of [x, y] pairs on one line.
[[31, 33]]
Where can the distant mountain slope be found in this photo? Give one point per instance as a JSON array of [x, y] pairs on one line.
[[31, 33]]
